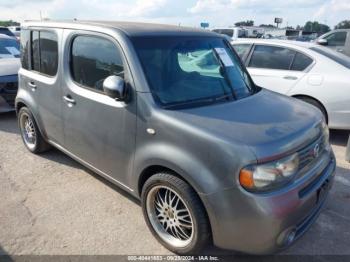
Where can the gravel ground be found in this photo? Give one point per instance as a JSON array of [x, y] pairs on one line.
[[52, 205]]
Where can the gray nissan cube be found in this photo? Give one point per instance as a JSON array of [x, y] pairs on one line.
[[172, 116]]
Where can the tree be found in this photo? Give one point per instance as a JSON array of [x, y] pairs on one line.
[[245, 23], [9, 23], [343, 25], [316, 27], [267, 26]]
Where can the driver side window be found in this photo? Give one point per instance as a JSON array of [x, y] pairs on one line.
[[336, 39], [93, 59]]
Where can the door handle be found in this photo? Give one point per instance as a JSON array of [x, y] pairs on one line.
[[69, 100], [290, 77], [32, 85]]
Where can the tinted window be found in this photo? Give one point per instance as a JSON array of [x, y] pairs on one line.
[[183, 71], [242, 50], [25, 38], [301, 62], [35, 51], [336, 39], [5, 31], [271, 57], [228, 32], [48, 53], [93, 59], [9, 48], [335, 56]]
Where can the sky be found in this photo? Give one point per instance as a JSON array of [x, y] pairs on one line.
[[185, 12]]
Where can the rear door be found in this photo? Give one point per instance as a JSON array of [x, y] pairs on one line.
[[277, 68], [98, 130], [40, 77]]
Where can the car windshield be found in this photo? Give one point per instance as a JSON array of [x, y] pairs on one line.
[[189, 70], [335, 56], [5, 31], [9, 48]]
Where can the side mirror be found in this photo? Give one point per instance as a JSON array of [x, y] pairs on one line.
[[114, 87], [322, 41]]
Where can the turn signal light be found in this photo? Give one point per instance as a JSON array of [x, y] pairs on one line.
[[246, 178]]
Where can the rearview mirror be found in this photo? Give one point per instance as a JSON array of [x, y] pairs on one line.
[[322, 41], [114, 87]]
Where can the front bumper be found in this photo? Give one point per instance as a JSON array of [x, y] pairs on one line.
[[8, 92], [6, 106], [264, 223]]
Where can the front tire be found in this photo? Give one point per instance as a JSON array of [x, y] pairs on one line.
[[174, 214], [30, 132]]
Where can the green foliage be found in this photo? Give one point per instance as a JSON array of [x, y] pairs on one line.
[[245, 23], [343, 25], [316, 27], [9, 23], [267, 26]]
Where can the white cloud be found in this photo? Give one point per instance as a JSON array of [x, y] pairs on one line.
[[147, 7], [186, 12]]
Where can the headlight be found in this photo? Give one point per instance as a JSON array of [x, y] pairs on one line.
[[268, 176]]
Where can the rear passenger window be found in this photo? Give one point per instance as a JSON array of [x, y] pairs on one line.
[[271, 57], [93, 59], [25, 38], [301, 62], [48, 53], [44, 55]]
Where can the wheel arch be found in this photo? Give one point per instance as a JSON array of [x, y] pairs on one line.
[[20, 104], [151, 170], [315, 99]]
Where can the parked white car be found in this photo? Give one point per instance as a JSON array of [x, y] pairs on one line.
[[232, 33], [313, 73]]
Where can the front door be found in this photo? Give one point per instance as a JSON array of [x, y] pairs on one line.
[[98, 130]]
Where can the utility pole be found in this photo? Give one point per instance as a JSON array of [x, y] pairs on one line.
[[41, 18], [347, 156]]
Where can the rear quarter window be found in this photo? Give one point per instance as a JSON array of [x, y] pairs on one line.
[[301, 62]]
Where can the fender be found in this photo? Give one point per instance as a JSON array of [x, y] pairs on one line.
[[182, 162], [25, 99]]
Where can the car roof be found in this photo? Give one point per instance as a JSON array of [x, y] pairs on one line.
[[289, 43], [129, 28]]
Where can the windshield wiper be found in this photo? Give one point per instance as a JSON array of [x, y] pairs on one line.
[[200, 101]]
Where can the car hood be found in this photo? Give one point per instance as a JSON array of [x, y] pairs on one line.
[[9, 66], [269, 123]]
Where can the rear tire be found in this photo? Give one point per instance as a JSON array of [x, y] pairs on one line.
[[30, 133], [317, 105], [175, 214]]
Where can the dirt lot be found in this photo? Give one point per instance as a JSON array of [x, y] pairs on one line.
[[50, 204]]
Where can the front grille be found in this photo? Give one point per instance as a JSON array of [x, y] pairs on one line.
[[311, 153]]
